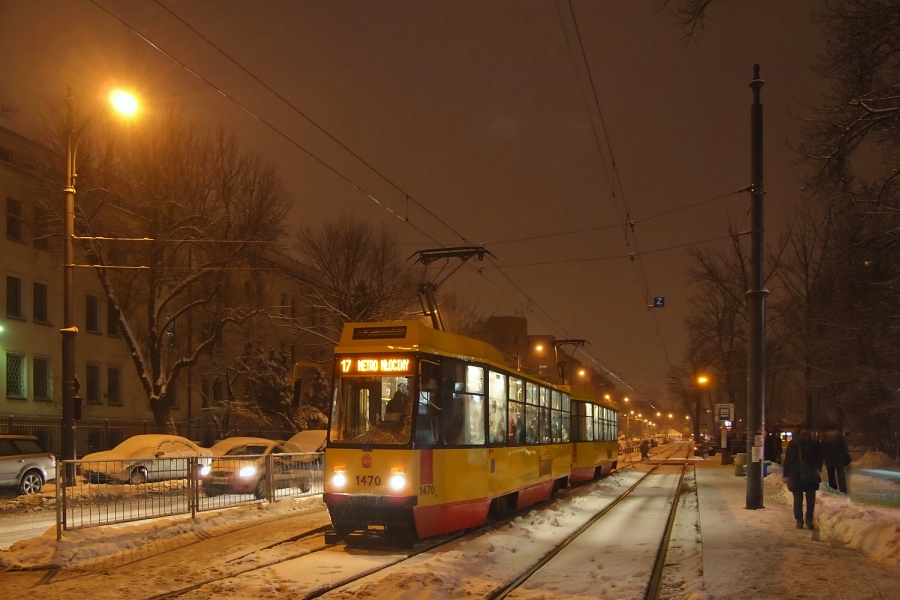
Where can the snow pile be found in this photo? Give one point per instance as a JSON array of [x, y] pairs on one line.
[[873, 530], [85, 544], [877, 460]]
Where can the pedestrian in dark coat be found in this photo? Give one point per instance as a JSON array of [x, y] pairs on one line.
[[645, 449], [836, 455], [773, 446], [802, 464]]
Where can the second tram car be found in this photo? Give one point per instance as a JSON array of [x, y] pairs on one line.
[[432, 433]]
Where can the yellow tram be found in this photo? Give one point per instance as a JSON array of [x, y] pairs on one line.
[[431, 433]]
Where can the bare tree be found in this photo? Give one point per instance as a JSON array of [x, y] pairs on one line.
[[357, 274], [691, 15], [173, 218], [853, 150]]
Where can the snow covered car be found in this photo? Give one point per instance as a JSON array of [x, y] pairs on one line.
[[239, 467], [24, 464], [145, 458]]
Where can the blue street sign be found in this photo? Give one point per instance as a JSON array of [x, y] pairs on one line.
[[659, 301]]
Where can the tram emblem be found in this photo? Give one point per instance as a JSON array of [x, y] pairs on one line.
[[367, 461]]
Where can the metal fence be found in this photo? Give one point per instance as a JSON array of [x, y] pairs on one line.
[[118, 491]]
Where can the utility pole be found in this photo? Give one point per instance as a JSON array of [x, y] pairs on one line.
[[756, 308]]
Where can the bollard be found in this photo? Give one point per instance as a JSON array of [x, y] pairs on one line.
[[740, 463]]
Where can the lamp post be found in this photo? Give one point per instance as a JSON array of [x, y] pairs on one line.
[[125, 104]]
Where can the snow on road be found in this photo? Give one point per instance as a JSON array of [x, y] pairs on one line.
[[746, 554]]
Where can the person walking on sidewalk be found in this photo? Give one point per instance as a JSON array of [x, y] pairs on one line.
[[837, 456], [645, 449], [802, 464]]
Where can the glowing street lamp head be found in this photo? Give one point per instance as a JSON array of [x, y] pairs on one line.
[[581, 372], [606, 396], [702, 379], [539, 347], [626, 398], [123, 102]]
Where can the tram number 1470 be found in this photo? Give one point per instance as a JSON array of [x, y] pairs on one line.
[[368, 480]]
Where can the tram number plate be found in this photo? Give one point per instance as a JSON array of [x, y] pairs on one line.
[[426, 490], [368, 480]]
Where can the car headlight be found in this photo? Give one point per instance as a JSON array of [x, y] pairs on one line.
[[339, 479], [248, 471], [204, 470], [398, 480]]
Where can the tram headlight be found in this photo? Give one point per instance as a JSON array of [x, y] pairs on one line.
[[339, 479], [248, 471], [398, 480]]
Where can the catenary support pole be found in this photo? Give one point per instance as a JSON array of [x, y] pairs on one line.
[[756, 307], [67, 434]]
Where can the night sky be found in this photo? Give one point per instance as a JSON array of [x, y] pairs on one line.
[[482, 112]]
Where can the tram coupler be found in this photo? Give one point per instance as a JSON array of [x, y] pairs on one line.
[[370, 538]]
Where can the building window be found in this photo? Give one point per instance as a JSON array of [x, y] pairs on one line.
[[41, 228], [14, 219], [41, 379], [113, 379], [293, 307], [15, 375], [112, 319], [92, 314], [40, 312], [14, 297], [217, 391], [92, 385]]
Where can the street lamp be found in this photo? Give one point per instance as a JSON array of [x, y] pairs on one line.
[[127, 105]]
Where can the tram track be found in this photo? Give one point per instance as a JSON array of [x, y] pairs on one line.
[[655, 581], [347, 584], [316, 547]]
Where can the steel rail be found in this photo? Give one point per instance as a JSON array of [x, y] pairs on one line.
[[504, 592], [653, 587]]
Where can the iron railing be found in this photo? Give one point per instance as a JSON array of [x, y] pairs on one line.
[[118, 491]]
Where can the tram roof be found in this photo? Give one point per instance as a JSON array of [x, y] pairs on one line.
[[413, 336]]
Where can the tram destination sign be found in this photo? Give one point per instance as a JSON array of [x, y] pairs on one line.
[[376, 364]]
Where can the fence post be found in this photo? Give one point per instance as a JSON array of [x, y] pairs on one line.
[[270, 478], [60, 483], [193, 484]]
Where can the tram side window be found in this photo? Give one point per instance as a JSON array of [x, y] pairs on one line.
[[516, 411], [566, 418], [545, 415], [588, 422], [428, 407], [556, 422], [497, 421], [532, 413], [462, 414]]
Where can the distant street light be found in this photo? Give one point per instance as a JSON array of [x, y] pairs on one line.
[[127, 105]]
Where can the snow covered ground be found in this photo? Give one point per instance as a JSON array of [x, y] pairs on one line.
[[745, 554]]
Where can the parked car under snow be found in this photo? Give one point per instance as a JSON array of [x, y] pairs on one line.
[[145, 458]]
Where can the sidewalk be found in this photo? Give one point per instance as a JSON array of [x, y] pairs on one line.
[[759, 554]]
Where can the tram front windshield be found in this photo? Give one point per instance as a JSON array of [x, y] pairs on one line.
[[373, 410]]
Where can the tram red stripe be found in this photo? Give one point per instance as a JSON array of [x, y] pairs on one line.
[[582, 474], [534, 493], [443, 518]]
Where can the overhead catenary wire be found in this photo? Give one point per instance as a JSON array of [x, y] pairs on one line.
[[617, 225], [530, 301]]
